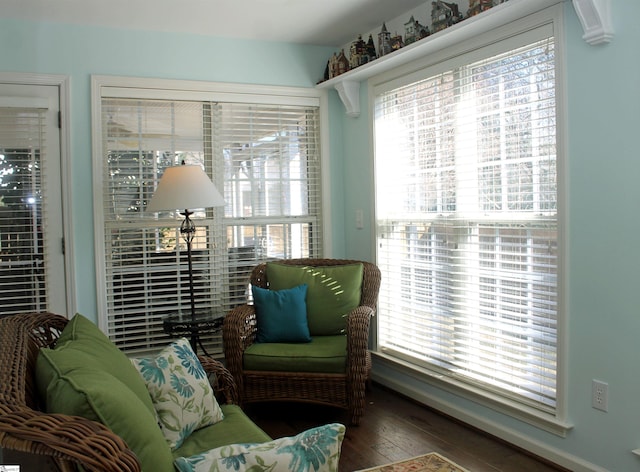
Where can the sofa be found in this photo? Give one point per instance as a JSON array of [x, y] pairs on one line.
[[73, 401]]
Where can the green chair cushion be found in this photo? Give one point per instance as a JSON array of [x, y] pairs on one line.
[[332, 292], [235, 428], [87, 375], [281, 315], [323, 354]]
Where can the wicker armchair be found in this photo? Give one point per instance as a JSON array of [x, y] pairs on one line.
[[345, 390], [54, 441]]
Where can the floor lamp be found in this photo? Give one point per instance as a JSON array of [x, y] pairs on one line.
[[188, 187]]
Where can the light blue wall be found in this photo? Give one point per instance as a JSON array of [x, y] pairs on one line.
[[80, 52], [603, 193], [603, 253]]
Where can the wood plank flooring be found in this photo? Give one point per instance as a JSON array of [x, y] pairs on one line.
[[394, 428]]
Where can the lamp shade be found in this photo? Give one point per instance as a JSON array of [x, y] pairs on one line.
[[185, 188]]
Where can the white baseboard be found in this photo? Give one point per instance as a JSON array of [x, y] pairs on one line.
[[509, 435]]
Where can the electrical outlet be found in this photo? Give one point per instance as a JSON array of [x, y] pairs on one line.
[[600, 395]]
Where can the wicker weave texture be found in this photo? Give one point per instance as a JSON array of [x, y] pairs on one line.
[[73, 443], [342, 390]]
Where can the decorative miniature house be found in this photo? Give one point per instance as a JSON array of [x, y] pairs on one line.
[[342, 63], [444, 14], [409, 31], [360, 52], [384, 41], [478, 6], [371, 49], [396, 42], [414, 31], [338, 64], [357, 53]]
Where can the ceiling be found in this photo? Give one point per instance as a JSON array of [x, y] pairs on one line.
[[320, 22]]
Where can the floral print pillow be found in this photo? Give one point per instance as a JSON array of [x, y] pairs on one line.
[[314, 450], [180, 391]]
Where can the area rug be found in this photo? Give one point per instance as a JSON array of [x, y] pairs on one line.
[[432, 462]]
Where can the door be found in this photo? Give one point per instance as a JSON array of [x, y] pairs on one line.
[[32, 262]]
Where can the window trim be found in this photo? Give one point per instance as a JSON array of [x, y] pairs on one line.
[[150, 88], [552, 16]]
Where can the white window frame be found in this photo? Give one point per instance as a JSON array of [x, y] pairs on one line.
[[556, 422], [169, 89]]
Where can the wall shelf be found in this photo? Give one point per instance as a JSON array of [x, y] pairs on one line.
[[597, 20]]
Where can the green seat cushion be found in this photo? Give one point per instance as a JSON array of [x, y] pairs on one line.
[[323, 354], [87, 375], [235, 428], [281, 315], [332, 292]]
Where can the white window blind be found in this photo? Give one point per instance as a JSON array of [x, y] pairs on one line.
[[22, 249], [467, 229], [266, 158], [272, 185]]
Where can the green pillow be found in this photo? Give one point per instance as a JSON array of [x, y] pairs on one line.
[[81, 337], [87, 375], [332, 292], [281, 315]]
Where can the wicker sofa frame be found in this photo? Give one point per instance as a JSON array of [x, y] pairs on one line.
[[55, 441], [346, 390]]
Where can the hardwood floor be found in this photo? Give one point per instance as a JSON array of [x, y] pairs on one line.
[[394, 428]]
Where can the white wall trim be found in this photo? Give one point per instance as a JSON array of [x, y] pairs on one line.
[[509, 435]]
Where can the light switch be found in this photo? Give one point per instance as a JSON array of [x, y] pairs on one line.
[[359, 219]]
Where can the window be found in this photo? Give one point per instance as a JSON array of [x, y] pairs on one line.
[[262, 151], [467, 223]]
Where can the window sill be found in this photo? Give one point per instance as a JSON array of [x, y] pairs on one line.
[[531, 416]]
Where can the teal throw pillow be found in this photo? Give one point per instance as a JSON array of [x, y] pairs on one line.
[[281, 315], [314, 450], [333, 291], [180, 390]]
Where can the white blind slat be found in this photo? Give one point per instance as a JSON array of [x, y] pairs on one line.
[[22, 250], [467, 221], [264, 156]]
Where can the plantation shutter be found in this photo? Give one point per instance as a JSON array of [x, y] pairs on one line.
[[23, 256], [467, 230], [264, 158]]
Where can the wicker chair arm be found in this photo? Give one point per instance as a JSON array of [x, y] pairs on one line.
[[67, 438], [241, 324], [358, 322], [238, 333], [223, 384]]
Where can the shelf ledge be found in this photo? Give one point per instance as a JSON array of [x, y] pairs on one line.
[[594, 15]]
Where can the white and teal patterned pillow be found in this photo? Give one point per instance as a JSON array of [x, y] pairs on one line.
[[180, 391], [314, 450]]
